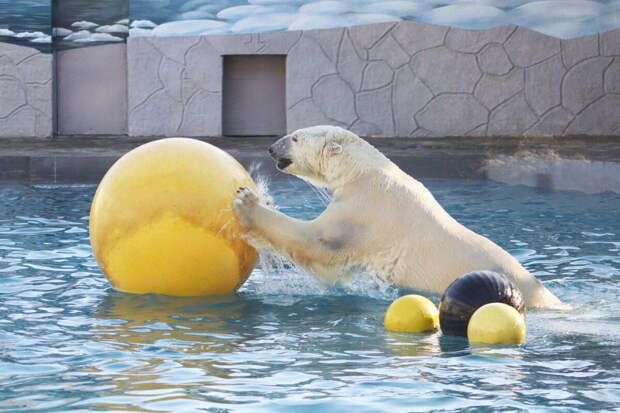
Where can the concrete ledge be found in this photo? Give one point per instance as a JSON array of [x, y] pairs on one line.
[[588, 164]]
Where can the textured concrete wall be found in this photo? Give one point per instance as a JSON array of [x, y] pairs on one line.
[[415, 79], [25, 92], [174, 87], [396, 79]]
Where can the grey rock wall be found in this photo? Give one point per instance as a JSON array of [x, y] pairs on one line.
[[174, 87], [391, 79], [415, 79], [175, 83], [25, 92]]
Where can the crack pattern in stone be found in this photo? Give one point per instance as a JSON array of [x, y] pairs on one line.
[[25, 92], [390, 79]]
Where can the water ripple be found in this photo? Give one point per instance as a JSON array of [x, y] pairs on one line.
[[284, 341]]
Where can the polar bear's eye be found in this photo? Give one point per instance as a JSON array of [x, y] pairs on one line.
[[294, 138]]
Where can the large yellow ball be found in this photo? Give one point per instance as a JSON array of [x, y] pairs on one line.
[[162, 221], [412, 314], [496, 323]]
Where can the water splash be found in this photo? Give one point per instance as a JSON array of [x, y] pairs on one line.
[[276, 275], [279, 276], [367, 283], [262, 183]]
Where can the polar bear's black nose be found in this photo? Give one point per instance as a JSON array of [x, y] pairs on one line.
[[274, 150], [279, 148]]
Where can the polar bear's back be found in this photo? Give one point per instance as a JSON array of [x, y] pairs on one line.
[[427, 248]]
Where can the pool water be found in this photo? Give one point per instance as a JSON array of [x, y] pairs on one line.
[[286, 343]]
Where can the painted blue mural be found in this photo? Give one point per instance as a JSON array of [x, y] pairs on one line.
[[26, 22], [560, 18], [63, 23], [84, 22]]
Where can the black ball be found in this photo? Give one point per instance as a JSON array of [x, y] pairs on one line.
[[470, 292]]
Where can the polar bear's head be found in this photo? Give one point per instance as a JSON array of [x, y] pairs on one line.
[[325, 155]]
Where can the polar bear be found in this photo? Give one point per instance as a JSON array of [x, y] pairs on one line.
[[379, 218]]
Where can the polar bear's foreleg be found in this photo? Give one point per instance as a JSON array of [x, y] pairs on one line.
[[301, 241]]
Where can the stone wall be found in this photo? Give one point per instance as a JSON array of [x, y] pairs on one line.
[[25, 92], [396, 79], [174, 87], [389, 79]]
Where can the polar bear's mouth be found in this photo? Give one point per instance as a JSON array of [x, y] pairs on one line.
[[283, 163]]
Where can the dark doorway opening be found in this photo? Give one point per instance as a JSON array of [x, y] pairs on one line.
[[254, 101], [91, 90]]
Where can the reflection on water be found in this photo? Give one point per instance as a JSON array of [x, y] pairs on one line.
[[151, 336], [148, 319], [414, 345], [69, 342], [226, 345]]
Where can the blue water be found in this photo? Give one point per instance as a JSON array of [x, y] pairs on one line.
[[68, 342]]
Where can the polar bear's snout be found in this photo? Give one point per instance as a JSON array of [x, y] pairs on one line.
[[279, 151]]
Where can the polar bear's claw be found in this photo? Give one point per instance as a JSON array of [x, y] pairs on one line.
[[246, 194], [244, 205]]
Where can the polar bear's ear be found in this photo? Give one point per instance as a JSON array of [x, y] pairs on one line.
[[334, 148]]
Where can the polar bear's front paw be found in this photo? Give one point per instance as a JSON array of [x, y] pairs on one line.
[[245, 206]]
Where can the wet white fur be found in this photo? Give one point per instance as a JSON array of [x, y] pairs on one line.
[[380, 218]]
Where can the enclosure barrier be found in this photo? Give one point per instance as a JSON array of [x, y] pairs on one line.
[[389, 79]]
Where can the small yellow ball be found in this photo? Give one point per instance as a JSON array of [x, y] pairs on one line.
[[496, 323], [412, 314], [162, 221]]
